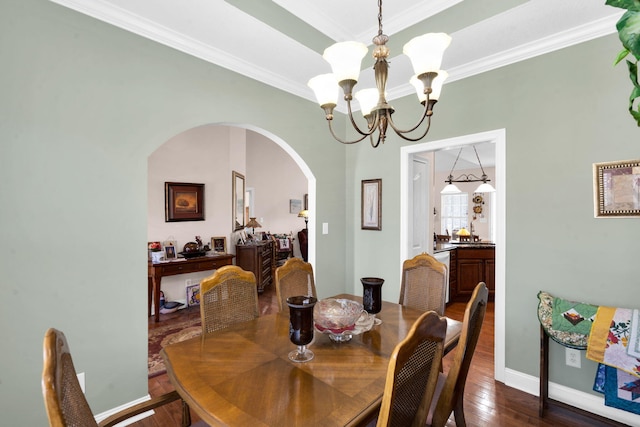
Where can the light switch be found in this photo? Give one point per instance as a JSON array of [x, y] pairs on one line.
[[325, 228]]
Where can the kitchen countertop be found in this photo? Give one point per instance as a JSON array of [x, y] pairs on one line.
[[442, 247]]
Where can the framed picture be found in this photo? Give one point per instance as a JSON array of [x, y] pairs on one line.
[[295, 206], [237, 202], [219, 245], [170, 252], [183, 202], [371, 204], [616, 189], [306, 202], [193, 295]]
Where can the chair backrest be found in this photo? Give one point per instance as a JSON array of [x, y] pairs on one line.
[[413, 373], [295, 277], [63, 397], [227, 297], [424, 284], [451, 396]]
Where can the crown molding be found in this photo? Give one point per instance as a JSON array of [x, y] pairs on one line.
[[107, 12]]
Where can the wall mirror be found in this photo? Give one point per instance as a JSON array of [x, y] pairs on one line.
[[237, 180]]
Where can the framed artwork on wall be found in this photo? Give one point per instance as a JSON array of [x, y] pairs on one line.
[[295, 206], [183, 202], [371, 204], [237, 194], [616, 189]]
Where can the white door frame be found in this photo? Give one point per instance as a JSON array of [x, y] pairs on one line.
[[498, 137]]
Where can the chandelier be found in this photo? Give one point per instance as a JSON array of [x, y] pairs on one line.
[[425, 53], [451, 188]]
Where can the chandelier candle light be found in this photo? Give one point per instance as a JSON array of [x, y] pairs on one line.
[[425, 53]]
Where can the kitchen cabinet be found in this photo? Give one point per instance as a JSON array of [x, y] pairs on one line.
[[474, 265]]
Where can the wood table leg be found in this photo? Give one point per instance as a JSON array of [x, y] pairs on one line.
[[544, 372], [156, 296], [149, 294]]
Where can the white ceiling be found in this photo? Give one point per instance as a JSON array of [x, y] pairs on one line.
[[280, 42]]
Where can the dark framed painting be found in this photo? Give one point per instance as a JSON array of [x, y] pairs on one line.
[[183, 201], [371, 204], [616, 189]]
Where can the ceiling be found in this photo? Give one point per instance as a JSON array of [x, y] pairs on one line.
[[280, 42]]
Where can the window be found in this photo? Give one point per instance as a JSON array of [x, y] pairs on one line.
[[454, 209]]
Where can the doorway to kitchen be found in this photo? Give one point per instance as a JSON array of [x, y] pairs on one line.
[[427, 150]]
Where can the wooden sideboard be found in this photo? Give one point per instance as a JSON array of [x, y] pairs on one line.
[[171, 268], [257, 258]]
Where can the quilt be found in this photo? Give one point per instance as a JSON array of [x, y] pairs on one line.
[[610, 337]]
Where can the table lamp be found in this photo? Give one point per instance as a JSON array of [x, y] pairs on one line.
[[304, 214], [253, 224]]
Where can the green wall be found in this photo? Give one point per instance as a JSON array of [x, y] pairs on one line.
[[562, 112], [83, 104]]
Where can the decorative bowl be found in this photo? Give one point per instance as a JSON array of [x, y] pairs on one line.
[[193, 254], [337, 317]]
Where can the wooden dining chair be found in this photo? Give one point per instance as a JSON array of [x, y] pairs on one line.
[[413, 373], [450, 390], [294, 278], [64, 400], [424, 284], [227, 297]]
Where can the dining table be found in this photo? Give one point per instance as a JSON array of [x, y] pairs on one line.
[[242, 376]]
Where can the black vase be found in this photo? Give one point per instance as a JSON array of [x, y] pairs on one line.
[[372, 294]]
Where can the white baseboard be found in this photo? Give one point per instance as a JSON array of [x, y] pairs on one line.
[[579, 399], [131, 420]]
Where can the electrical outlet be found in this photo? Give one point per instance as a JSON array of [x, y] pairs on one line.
[[572, 357]]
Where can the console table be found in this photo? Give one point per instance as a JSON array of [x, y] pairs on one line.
[[171, 268]]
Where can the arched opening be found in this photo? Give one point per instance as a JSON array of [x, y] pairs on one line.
[[208, 154]]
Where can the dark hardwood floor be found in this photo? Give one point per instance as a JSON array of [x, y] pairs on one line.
[[487, 402]]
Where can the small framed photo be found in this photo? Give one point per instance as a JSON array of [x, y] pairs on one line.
[[616, 189], [371, 204], [193, 295], [170, 252], [219, 245], [295, 206], [183, 202]]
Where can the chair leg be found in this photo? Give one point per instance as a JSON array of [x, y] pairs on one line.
[[458, 413], [186, 415]]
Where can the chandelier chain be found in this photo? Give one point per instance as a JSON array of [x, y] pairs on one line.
[[480, 163], [379, 17]]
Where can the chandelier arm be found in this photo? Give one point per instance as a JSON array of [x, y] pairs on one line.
[[401, 134], [426, 113], [341, 140], [377, 142], [372, 127]]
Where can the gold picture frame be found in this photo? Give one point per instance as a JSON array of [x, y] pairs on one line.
[[237, 202], [219, 245], [616, 189]]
